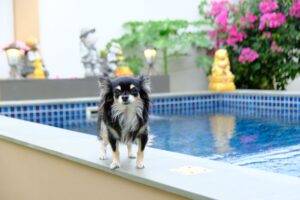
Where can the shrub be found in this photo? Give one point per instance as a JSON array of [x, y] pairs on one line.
[[262, 38]]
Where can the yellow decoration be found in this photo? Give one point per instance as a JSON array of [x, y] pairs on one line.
[[221, 79], [123, 71], [38, 72], [32, 42]]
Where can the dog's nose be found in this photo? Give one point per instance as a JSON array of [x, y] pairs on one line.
[[125, 98]]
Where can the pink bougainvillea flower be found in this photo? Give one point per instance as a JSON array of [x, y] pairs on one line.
[[267, 34], [248, 55], [267, 6], [234, 36], [280, 49], [219, 42], [295, 10], [273, 46], [250, 17], [222, 18], [218, 6], [248, 21], [276, 20], [272, 20], [235, 11], [242, 20], [276, 48], [212, 34], [215, 33]]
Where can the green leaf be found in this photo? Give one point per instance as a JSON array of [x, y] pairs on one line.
[[205, 62], [135, 63]]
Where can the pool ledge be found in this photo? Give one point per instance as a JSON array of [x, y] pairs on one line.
[[164, 170], [154, 95]]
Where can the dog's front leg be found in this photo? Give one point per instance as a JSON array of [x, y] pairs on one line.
[[115, 152], [142, 141], [103, 144]]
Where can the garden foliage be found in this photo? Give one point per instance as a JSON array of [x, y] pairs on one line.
[[262, 38], [168, 37]]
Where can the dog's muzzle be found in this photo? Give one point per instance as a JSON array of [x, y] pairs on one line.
[[125, 99]]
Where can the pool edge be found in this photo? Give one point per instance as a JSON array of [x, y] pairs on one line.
[[21, 140]]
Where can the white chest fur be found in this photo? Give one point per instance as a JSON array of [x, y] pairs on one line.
[[127, 115]]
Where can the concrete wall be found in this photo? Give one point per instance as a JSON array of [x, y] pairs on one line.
[[294, 85], [28, 174], [6, 34], [185, 76], [11, 90]]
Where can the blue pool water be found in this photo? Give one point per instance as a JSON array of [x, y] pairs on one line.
[[267, 144]]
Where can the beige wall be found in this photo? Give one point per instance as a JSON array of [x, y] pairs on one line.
[[27, 174], [6, 34], [26, 19]]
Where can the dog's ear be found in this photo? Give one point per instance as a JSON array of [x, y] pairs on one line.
[[105, 91], [145, 83], [104, 85]]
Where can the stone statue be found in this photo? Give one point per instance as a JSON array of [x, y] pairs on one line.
[[114, 57], [221, 78], [115, 61], [90, 57]]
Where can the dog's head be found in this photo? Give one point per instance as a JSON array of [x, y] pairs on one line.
[[124, 90]]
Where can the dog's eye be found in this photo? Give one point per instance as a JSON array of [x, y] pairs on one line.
[[117, 92], [134, 91]]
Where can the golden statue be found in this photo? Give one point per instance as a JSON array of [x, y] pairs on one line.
[[38, 72], [34, 64], [221, 79]]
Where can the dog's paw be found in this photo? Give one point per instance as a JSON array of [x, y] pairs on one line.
[[103, 157], [114, 165], [140, 165], [131, 156]]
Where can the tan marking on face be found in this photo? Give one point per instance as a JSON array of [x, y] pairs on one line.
[[118, 87], [132, 86]]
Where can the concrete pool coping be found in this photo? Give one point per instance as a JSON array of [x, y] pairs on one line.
[[209, 179], [154, 95]]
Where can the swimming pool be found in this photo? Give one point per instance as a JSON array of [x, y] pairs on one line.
[[262, 143], [260, 130]]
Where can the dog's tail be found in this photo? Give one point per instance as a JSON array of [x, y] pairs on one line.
[[99, 121], [150, 139]]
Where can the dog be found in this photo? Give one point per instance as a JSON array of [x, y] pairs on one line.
[[123, 116]]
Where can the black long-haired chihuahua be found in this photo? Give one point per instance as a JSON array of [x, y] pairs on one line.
[[123, 116]]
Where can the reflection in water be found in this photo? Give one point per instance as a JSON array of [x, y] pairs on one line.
[[222, 128]]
